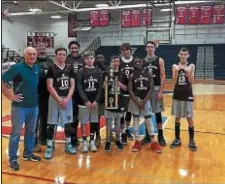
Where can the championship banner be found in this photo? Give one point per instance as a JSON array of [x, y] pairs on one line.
[[147, 17], [104, 18], [218, 14], [72, 24], [136, 18], [126, 18], [94, 18], [181, 15], [33, 38], [193, 15], [205, 15]]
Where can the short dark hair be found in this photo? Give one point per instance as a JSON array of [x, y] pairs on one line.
[[75, 43], [126, 46], [88, 53], [184, 49], [99, 53], [60, 49], [150, 42], [114, 57], [137, 58]]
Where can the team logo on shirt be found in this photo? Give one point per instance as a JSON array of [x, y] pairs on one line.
[[140, 81], [150, 68], [91, 84]]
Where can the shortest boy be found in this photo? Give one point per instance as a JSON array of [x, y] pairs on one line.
[[140, 88], [60, 83], [89, 86], [114, 114]]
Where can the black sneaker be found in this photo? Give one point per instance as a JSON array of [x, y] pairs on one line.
[[129, 135], [146, 140], [108, 147], [176, 143], [14, 166], [33, 158], [192, 145], [161, 141], [124, 138], [119, 145]]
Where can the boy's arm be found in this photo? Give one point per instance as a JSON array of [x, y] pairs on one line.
[[130, 89], [190, 73], [175, 70], [162, 75], [98, 96], [151, 89]]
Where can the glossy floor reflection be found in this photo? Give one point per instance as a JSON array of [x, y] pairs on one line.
[[172, 166]]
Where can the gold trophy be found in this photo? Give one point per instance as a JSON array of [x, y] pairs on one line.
[[111, 90]]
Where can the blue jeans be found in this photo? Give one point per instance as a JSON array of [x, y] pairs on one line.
[[19, 116]]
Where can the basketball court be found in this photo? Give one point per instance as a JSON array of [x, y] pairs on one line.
[[207, 165]]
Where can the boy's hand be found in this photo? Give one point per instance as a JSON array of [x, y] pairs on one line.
[[95, 105], [88, 104]]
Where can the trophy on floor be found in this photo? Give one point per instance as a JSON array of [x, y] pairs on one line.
[[111, 89]]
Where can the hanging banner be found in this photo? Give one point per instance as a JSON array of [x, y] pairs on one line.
[[193, 15], [94, 18], [147, 17], [181, 15], [205, 15], [72, 24], [218, 14], [136, 18], [104, 18], [126, 18]]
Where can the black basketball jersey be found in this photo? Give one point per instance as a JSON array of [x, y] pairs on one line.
[[183, 89], [141, 83], [61, 78], [126, 68], [154, 69], [75, 62], [90, 84]]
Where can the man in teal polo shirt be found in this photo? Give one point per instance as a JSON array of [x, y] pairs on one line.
[[25, 77]]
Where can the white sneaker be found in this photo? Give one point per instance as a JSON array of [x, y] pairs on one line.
[[85, 147], [92, 146]]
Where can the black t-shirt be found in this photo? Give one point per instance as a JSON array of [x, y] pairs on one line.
[[153, 68], [183, 89], [89, 83], [141, 83], [61, 78], [75, 63]]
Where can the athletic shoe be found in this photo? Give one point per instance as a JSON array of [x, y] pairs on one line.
[[14, 166], [129, 135], [33, 158], [37, 148], [98, 141], [92, 146], [108, 147], [155, 147], [137, 146], [162, 141], [124, 138], [70, 149], [192, 145], [85, 146], [146, 140], [119, 145], [48, 152], [176, 143]]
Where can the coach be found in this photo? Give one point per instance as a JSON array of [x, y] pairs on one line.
[[25, 77]]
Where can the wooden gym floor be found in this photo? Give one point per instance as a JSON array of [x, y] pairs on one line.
[[172, 166]]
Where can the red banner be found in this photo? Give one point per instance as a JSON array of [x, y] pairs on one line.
[[146, 17], [103, 18], [205, 15], [126, 18], [136, 18], [181, 15], [72, 23], [218, 14], [94, 18], [193, 15]]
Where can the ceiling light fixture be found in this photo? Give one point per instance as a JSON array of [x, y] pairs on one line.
[[56, 17], [35, 10], [166, 10], [101, 5]]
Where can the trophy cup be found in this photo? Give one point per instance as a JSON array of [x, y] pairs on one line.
[[111, 90]]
